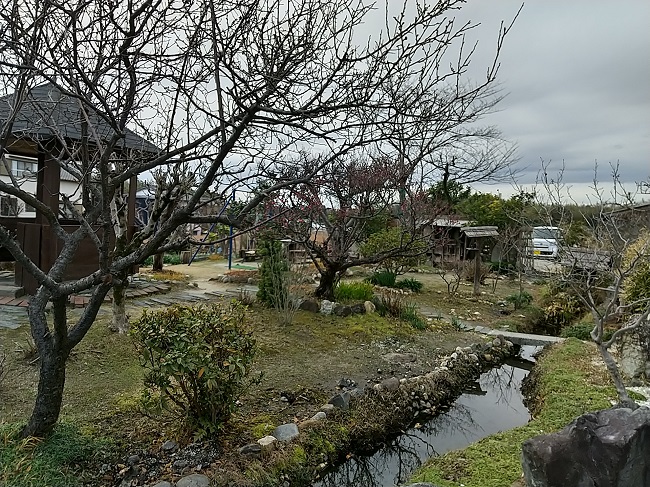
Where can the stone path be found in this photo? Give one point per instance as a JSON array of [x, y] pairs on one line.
[[14, 316], [516, 338]]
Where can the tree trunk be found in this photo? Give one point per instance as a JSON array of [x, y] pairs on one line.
[[328, 280], [120, 323], [158, 262], [623, 396], [51, 381], [53, 349], [477, 269]]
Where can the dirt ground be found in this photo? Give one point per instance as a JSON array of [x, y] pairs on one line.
[[309, 357], [302, 363]]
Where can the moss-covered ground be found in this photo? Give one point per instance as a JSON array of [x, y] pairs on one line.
[[568, 382]]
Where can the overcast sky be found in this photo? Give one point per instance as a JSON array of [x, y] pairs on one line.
[[577, 75]]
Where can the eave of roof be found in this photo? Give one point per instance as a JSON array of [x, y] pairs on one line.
[[47, 113], [485, 231]]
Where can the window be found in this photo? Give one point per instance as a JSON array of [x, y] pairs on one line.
[[20, 166], [8, 206], [24, 167]]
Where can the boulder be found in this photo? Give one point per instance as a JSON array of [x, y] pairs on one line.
[[341, 401], [251, 449], [358, 309], [319, 416], [267, 443], [169, 445], [606, 448], [370, 307], [342, 310], [633, 353], [194, 480], [286, 432], [310, 305], [326, 307]]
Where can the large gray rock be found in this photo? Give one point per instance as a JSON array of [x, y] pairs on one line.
[[326, 307], [194, 480], [286, 432], [342, 310], [606, 448], [310, 305], [341, 401]]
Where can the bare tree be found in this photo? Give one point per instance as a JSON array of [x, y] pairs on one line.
[[600, 273], [229, 88], [328, 216]]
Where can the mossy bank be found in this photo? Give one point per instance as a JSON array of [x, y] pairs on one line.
[[568, 381]]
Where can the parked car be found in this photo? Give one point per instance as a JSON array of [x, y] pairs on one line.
[[546, 241]]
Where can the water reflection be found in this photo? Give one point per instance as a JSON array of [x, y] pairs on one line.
[[492, 404]]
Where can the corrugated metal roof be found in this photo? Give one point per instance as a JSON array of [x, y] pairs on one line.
[[449, 222], [475, 232], [47, 112], [66, 176]]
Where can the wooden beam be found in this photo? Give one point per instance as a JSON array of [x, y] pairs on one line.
[[48, 183]]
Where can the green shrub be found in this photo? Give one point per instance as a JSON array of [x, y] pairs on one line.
[[388, 240], [168, 259], [410, 314], [197, 362], [410, 284], [353, 291], [637, 287], [385, 278], [55, 461], [273, 285], [559, 311], [520, 300], [389, 304], [502, 268], [637, 284], [581, 331]]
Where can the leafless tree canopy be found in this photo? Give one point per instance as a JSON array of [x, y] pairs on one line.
[[227, 91], [599, 271]]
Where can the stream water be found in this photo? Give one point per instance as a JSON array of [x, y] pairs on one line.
[[493, 403]]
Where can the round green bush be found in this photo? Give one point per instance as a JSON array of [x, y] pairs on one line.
[[197, 361]]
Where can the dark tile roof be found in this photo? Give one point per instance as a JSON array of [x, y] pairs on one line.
[[46, 107]]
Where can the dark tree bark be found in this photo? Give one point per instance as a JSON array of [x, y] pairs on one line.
[[158, 260], [329, 278], [53, 352]]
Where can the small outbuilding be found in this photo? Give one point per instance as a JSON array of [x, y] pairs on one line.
[[474, 240]]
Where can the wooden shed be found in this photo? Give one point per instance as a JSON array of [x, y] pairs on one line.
[[474, 239], [46, 122]]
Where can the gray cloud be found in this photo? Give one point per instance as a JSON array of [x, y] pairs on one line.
[[577, 74]]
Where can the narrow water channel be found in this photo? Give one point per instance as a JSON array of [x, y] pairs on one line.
[[493, 403]]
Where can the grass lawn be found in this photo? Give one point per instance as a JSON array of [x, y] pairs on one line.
[[100, 419]]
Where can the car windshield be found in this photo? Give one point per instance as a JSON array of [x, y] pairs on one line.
[[548, 233]]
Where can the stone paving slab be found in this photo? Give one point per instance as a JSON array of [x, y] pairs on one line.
[[526, 338], [516, 338]]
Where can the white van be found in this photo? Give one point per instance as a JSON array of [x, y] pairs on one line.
[[546, 241]]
